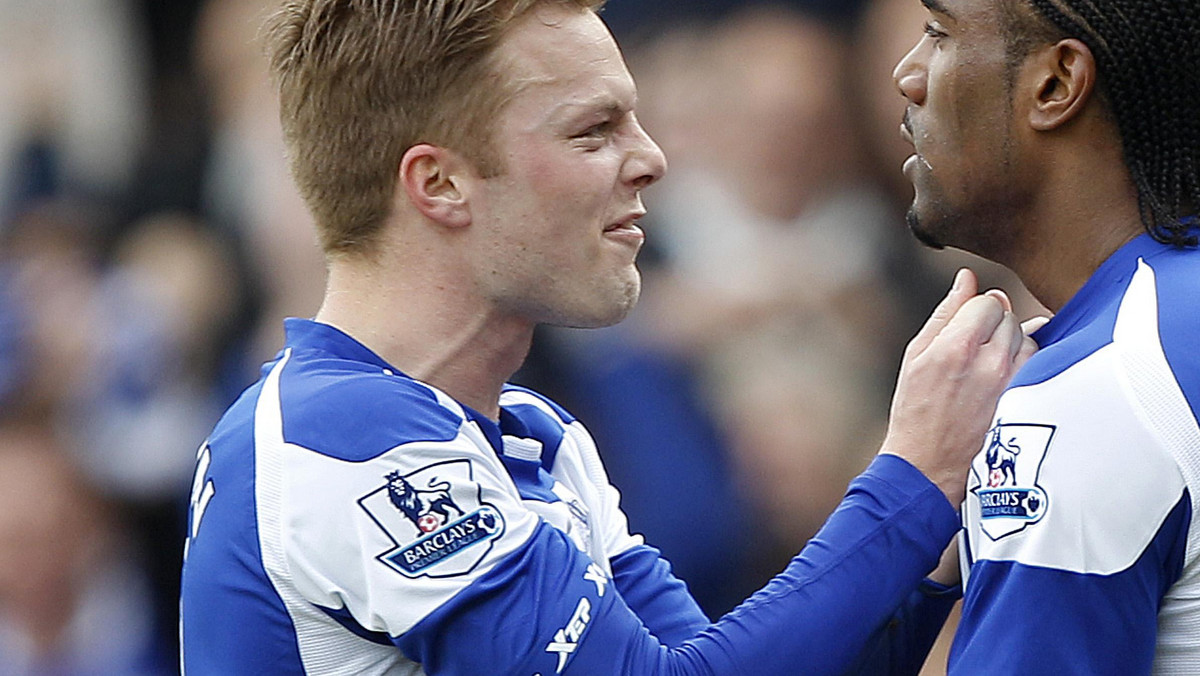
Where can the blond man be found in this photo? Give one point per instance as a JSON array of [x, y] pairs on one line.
[[382, 502]]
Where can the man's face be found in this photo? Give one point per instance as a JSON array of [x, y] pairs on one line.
[[960, 120], [558, 222]]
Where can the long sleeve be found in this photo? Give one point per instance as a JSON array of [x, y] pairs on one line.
[[543, 613]]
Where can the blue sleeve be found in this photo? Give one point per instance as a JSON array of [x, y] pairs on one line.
[[902, 644], [546, 611], [660, 600], [1033, 621]]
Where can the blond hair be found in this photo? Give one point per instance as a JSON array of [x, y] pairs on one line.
[[362, 81]]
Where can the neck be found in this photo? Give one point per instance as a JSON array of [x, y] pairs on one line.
[[412, 318], [1086, 209], [1059, 262]]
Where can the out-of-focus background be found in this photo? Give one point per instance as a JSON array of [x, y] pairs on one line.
[[151, 243]]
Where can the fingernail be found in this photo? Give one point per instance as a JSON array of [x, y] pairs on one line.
[[958, 279]]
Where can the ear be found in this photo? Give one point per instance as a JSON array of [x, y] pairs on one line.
[[1066, 79], [433, 178]]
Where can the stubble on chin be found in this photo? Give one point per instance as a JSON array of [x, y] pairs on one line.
[[918, 229]]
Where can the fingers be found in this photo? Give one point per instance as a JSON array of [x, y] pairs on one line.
[[965, 287], [1031, 325], [1007, 336], [1028, 345], [999, 295], [980, 321]]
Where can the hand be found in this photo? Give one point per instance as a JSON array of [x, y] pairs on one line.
[[952, 375]]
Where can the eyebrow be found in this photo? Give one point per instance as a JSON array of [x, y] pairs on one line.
[[602, 104], [937, 6]]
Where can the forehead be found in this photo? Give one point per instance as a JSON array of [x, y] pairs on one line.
[[984, 13], [563, 54]]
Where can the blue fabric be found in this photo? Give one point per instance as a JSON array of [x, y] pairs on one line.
[[902, 645], [656, 596], [1179, 318], [219, 587], [1013, 614], [816, 617], [544, 608], [1024, 619], [357, 413]]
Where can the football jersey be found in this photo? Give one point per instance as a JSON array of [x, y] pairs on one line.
[[348, 519], [1082, 553]]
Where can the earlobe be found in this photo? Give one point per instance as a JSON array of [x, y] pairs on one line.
[[431, 177], [1066, 78]]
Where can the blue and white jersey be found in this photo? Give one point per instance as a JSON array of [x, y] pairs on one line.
[[347, 519], [1082, 551]]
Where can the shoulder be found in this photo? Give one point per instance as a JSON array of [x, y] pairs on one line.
[[1176, 298], [1104, 446], [355, 411]]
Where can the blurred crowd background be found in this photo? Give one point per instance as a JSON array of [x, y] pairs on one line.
[[151, 243]]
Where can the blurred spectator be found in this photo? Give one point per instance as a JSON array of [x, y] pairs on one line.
[[72, 602], [248, 185], [766, 215], [72, 97], [123, 353], [51, 258], [773, 241], [165, 300], [802, 426], [119, 357]]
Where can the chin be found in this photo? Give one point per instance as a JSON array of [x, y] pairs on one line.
[[612, 309], [917, 227]]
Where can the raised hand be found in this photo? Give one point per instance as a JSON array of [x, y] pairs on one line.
[[953, 373]]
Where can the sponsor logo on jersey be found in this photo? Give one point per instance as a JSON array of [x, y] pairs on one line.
[[597, 576], [566, 640], [1006, 475], [436, 520]]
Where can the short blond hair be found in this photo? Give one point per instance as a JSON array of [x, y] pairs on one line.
[[362, 81]]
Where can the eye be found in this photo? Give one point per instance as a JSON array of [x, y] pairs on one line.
[[594, 137], [934, 31], [595, 131]]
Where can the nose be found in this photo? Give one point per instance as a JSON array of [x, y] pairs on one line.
[[910, 76], [647, 162]]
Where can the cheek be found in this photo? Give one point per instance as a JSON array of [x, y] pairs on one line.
[[965, 131]]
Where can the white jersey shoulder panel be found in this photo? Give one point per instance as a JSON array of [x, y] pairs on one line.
[[1100, 449], [333, 534]]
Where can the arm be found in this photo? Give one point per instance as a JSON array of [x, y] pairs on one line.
[[902, 645], [658, 598], [817, 614]]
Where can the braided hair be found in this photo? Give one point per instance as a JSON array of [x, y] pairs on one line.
[[1148, 56]]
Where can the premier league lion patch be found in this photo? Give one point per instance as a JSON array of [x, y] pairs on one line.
[[1010, 498], [436, 519]]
